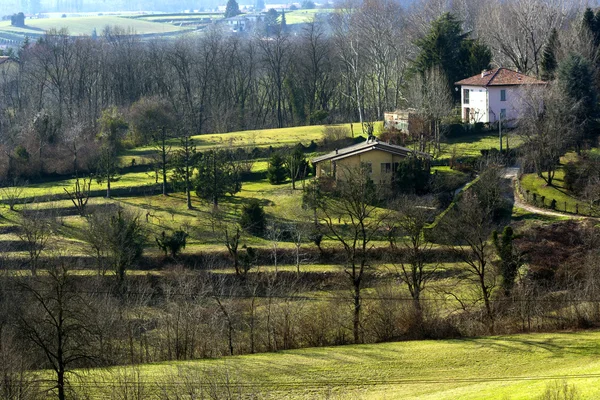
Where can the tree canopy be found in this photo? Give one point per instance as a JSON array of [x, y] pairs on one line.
[[446, 46]]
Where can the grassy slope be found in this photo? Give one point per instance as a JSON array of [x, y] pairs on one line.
[[557, 191], [85, 25], [170, 213], [253, 138], [507, 367]]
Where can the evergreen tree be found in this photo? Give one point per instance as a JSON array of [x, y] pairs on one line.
[[549, 62], [412, 176], [183, 167], [591, 23], [509, 259], [232, 9], [271, 20], [253, 219], [576, 78], [277, 173], [217, 176], [283, 22], [446, 46]]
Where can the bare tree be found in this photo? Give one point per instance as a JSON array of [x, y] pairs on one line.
[[430, 95], [546, 127], [54, 320], [12, 194], [413, 215], [517, 30], [80, 194], [36, 229], [469, 226], [352, 219]]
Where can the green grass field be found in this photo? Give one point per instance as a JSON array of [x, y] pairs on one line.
[[506, 367], [85, 25], [302, 16], [566, 201], [471, 146]]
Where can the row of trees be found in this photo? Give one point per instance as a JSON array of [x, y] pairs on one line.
[[352, 67]]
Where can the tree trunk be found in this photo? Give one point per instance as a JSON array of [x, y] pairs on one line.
[[357, 306], [164, 161]]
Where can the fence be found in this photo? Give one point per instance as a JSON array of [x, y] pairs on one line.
[[537, 200]]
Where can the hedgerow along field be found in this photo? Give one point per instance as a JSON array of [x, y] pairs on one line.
[[515, 367]]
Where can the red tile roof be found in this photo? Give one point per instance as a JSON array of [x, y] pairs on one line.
[[500, 77]]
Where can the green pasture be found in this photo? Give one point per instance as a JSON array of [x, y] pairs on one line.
[[503, 367], [278, 137], [303, 16], [85, 25], [471, 146]]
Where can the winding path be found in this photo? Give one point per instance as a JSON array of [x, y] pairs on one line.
[[512, 174]]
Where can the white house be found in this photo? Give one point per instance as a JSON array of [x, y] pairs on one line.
[[493, 95]]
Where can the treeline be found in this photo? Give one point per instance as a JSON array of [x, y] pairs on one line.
[[353, 66]]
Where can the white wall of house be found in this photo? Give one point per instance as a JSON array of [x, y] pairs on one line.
[[476, 105], [486, 104], [509, 107]]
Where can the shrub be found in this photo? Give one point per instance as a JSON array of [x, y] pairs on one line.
[[393, 136], [412, 176], [335, 133], [253, 219], [277, 173], [173, 243]]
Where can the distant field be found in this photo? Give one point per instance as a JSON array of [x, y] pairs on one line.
[[503, 368], [85, 25], [180, 17], [302, 16]]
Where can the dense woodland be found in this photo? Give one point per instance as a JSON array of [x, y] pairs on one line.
[[407, 263]]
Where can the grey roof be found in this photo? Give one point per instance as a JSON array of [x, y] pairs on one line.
[[370, 144]]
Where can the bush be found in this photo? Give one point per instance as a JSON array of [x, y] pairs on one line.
[[393, 136], [253, 219], [173, 243], [277, 173], [335, 133], [412, 176]]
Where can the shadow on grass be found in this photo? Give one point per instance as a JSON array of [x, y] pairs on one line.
[[559, 347]]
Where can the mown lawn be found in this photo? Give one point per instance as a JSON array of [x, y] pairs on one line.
[[471, 146], [504, 367], [565, 200]]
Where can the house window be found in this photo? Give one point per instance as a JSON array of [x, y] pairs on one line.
[[465, 96], [503, 113], [503, 95], [386, 168]]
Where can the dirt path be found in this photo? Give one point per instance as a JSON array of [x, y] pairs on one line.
[[512, 173]]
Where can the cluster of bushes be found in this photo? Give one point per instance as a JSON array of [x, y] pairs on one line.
[[580, 174]]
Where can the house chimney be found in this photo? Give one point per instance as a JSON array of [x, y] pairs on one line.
[[336, 151], [483, 73]]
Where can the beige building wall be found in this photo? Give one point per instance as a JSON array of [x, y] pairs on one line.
[[381, 165]]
